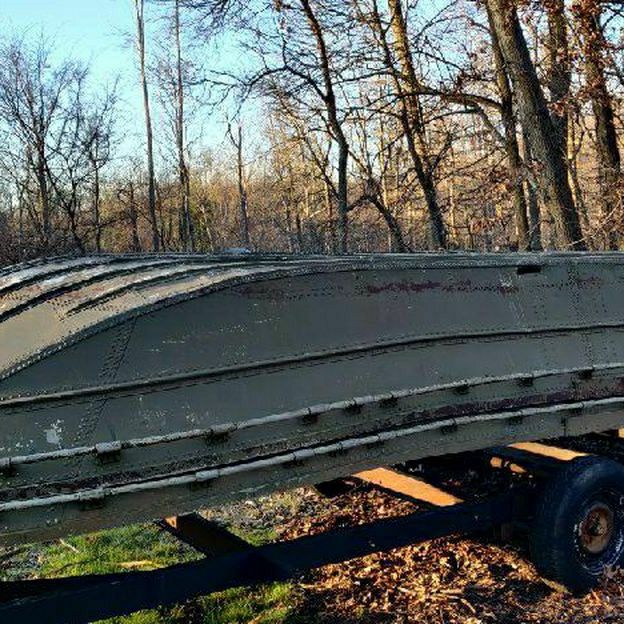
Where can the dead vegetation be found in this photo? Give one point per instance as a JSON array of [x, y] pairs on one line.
[[445, 581]]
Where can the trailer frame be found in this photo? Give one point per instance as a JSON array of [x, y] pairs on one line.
[[94, 597], [230, 561]]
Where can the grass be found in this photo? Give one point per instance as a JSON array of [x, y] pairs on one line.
[[272, 604], [136, 547], [145, 547]]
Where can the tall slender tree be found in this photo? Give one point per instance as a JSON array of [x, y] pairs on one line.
[[335, 125], [186, 227], [409, 87], [139, 6], [511, 145], [559, 78], [236, 137]]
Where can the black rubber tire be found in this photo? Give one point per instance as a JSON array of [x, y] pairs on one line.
[[556, 550]]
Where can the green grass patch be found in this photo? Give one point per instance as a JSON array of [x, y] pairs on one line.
[[272, 604], [136, 547], [256, 537], [146, 547]]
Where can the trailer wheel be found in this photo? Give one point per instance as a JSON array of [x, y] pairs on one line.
[[578, 528]]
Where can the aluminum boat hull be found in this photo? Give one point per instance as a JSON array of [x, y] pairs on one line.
[[137, 386]]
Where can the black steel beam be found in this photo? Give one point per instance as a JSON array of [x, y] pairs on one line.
[[85, 599], [203, 535]]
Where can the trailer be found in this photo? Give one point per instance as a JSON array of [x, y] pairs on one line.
[[566, 502], [148, 386]]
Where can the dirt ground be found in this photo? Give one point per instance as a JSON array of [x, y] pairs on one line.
[[445, 581]]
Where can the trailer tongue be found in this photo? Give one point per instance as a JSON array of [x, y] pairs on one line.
[[135, 387]]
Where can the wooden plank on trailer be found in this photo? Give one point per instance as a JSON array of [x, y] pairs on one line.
[[408, 486], [547, 450], [501, 462]]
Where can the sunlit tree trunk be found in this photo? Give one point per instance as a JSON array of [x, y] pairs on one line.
[[237, 142], [511, 147], [151, 184], [413, 123], [186, 233], [335, 125], [559, 72], [588, 16], [535, 117]]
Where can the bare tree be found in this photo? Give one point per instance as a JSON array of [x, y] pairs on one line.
[[187, 233], [97, 141], [385, 125], [588, 15], [58, 139], [237, 141], [329, 98], [511, 145], [373, 169], [559, 69], [408, 88], [151, 182], [32, 97], [536, 120], [305, 70]]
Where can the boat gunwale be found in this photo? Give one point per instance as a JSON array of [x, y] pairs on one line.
[[207, 476], [225, 428]]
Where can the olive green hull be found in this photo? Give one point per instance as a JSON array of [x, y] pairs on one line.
[[138, 386]]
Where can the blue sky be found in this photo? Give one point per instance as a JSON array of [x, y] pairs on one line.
[[92, 30], [99, 33]]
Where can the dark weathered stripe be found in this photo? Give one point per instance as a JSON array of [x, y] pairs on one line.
[[88, 280], [141, 284]]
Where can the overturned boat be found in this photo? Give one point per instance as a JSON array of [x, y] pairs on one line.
[[138, 386]]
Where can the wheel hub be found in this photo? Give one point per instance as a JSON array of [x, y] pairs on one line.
[[597, 528]]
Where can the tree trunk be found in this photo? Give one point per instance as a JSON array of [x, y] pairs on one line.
[[396, 234], [243, 219], [343, 208], [96, 206], [511, 147], [151, 184], [535, 218], [44, 197], [187, 230], [552, 174], [72, 209], [334, 125], [407, 85], [134, 219], [573, 152], [559, 74], [300, 238], [333, 239], [397, 238], [609, 162], [20, 224]]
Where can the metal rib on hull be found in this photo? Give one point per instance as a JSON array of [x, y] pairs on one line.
[[135, 386]]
